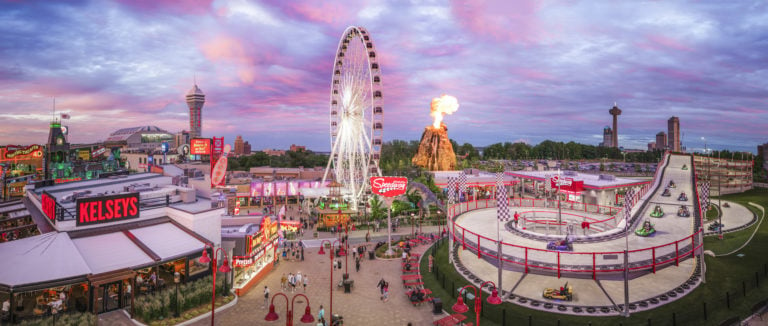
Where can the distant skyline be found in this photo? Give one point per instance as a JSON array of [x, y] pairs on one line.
[[521, 70]]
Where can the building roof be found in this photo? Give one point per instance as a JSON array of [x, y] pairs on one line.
[[48, 257], [591, 181], [123, 134]]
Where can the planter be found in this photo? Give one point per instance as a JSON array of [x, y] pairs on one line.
[[315, 234]]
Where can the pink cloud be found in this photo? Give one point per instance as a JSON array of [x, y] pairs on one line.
[[194, 7], [500, 20]]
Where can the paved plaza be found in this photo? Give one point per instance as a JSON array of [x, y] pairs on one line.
[[361, 307]]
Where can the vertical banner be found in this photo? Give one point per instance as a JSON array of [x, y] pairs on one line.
[[281, 189], [502, 204], [269, 189], [217, 149], [463, 186], [256, 188], [293, 188]]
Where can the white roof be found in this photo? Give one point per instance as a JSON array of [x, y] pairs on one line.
[[47, 257], [110, 252], [590, 180], [167, 240]]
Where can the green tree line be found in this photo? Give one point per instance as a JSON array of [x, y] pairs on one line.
[[289, 160]]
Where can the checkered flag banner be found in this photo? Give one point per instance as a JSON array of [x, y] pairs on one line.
[[462, 184], [502, 202], [704, 195], [628, 203], [451, 190]]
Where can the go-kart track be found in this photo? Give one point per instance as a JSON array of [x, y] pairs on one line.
[[660, 265]]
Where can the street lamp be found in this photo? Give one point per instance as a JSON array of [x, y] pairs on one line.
[[272, 315], [330, 254], [176, 280], [413, 216], [461, 307], [204, 259]]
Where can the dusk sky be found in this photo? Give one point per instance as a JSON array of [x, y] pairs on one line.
[[521, 70]]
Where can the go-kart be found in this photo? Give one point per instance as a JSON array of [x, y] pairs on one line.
[[725, 205], [646, 230], [560, 245], [666, 193], [716, 226], [657, 212], [685, 167], [565, 293], [672, 184], [682, 197], [683, 212]]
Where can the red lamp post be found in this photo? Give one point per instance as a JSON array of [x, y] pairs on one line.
[[224, 269], [272, 315], [330, 254], [461, 307]]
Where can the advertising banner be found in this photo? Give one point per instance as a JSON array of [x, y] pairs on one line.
[[389, 186], [256, 188], [106, 209], [18, 152], [316, 184], [200, 146], [269, 189], [305, 184], [567, 184], [280, 189], [99, 151], [293, 188]]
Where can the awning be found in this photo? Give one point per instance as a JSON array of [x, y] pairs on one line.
[[44, 258], [168, 241], [110, 252]]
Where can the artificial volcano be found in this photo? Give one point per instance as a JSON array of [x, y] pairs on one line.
[[435, 151]]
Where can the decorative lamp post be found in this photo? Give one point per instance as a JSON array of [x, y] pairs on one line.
[[272, 315], [413, 216], [461, 307], [204, 259], [330, 255], [176, 280]]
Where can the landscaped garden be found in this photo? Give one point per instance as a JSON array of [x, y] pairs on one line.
[[194, 300]]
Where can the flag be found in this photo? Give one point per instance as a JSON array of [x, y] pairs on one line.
[[628, 202], [704, 196], [65, 116], [462, 184], [502, 203], [451, 190]]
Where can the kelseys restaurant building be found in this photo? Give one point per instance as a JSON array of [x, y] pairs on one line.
[[99, 247]]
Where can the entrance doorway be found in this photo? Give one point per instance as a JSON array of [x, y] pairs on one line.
[[109, 297]]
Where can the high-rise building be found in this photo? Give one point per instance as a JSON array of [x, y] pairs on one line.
[[246, 148], [181, 138], [239, 145], [615, 112], [57, 150], [673, 134], [607, 137], [651, 146], [661, 141], [195, 101]]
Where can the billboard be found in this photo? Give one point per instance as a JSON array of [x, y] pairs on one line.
[[18, 152], [256, 188], [567, 184], [106, 209], [280, 189], [269, 189], [293, 188], [200, 146], [389, 186], [99, 151]]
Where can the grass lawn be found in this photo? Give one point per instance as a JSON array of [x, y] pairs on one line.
[[712, 213], [728, 279]]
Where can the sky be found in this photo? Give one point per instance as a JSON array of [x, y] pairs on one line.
[[521, 70]]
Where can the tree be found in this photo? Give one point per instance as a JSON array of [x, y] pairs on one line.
[[377, 209]]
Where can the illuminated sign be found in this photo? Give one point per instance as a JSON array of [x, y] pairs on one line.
[[49, 206], [99, 151], [23, 152], [240, 261], [98, 210], [200, 146], [84, 154], [65, 180], [389, 186]]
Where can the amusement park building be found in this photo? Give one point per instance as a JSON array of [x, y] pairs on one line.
[[596, 189], [143, 138]]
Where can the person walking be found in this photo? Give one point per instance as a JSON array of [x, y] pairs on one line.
[[266, 296], [306, 282], [321, 315], [368, 236], [357, 264], [380, 285], [283, 281], [386, 291], [298, 279]]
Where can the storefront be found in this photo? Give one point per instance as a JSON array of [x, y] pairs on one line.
[[256, 256]]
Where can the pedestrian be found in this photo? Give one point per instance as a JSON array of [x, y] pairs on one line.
[[357, 264], [283, 281], [386, 291], [368, 236], [321, 315], [298, 279], [306, 282], [380, 285], [302, 253], [266, 296], [291, 281], [354, 253]]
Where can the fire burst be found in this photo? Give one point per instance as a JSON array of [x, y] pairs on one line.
[[441, 106]]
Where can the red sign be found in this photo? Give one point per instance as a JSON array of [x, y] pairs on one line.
[[49, 206], [200, 146], [389, 186], [99, 151], [13, 151], [567, 184], [97, 210], [65, 180], [241, 261]]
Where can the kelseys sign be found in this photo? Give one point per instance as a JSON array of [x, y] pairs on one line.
[[106, 209], [389, 186], [49, 206]]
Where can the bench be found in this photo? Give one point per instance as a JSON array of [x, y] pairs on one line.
[[413, 284]]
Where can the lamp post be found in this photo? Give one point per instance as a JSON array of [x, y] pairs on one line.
[[330, 254], [461, 307], [176, 280], [719, 177], [204, 259], [272, 315], [413, 222]]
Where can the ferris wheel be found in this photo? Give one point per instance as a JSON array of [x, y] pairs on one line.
[[356, 115]]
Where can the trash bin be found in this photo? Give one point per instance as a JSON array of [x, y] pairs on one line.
[[347, 286], [345, 276], [437, 306], [371, 255]]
